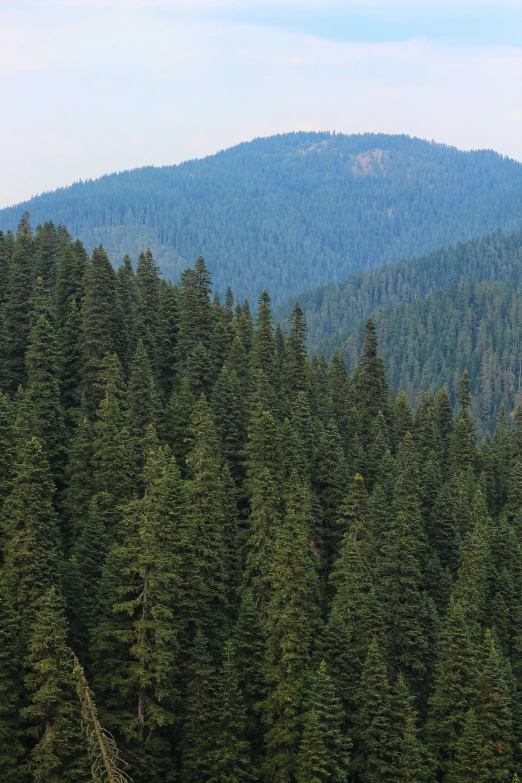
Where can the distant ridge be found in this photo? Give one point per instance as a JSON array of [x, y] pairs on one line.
[[293, 211]]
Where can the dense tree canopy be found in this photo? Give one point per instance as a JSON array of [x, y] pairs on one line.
[[247, 565]]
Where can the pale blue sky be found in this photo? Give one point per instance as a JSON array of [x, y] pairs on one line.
[[94, 87]]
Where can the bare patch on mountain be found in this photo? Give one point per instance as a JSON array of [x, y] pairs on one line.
[[370, 163]]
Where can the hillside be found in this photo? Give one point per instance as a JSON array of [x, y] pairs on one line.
[[455, 309], [293, 211]]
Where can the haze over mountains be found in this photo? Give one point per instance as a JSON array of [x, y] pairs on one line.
[[293, 211]]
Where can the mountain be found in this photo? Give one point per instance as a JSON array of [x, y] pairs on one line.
[[293, 211], [455, 309]]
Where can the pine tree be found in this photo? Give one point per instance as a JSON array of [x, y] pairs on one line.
[[70, 370], [323, 754], [463, 448], [76, 497], [70, 270], [331, 484], [58, 752], [228, 407]]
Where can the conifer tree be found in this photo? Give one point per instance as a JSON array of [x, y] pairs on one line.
[[295, 370], [463, 448], [409, 754], [7, 446], [231, 757], [331, 483], [136, 642], [204, 553], [44, 391], [228, 407], [263, 528], [375, 731], [400, 574], [70, 369], [178, 417], [195, 313], [47, 246], [101, 321], [17, 312], [11, 749], [493, 712], [198, 727], [291, 624], [248, 650], [403, 418], [263, 344], [77, 495], [323, 754], [167, 338], [373, 388], [31, 535], [70, 269], [148, 303], [57, 752], [126, 294], [454, 688], [111, 448], [141, 402], [469, 765]]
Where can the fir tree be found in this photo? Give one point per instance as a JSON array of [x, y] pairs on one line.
[[17, 312], [291, 623], [374, 720], [148, 303], [44, 391], [230, 760], [57, 752], [126, 295], [11, 749], [469, 765], [323, 754], [31, 535], [295, 371], [199, 729], [101, 321], [137, 640]]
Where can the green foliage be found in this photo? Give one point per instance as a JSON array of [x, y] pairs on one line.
[[295, 210]]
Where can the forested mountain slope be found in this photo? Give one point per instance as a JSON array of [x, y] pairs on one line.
[[457, 308], [292, 211], [270, 569]]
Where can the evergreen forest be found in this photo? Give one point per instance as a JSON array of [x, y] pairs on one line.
[[293, 211], [227, 560], [457, 308]]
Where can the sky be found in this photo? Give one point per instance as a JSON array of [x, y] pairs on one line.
[[89, 88]]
